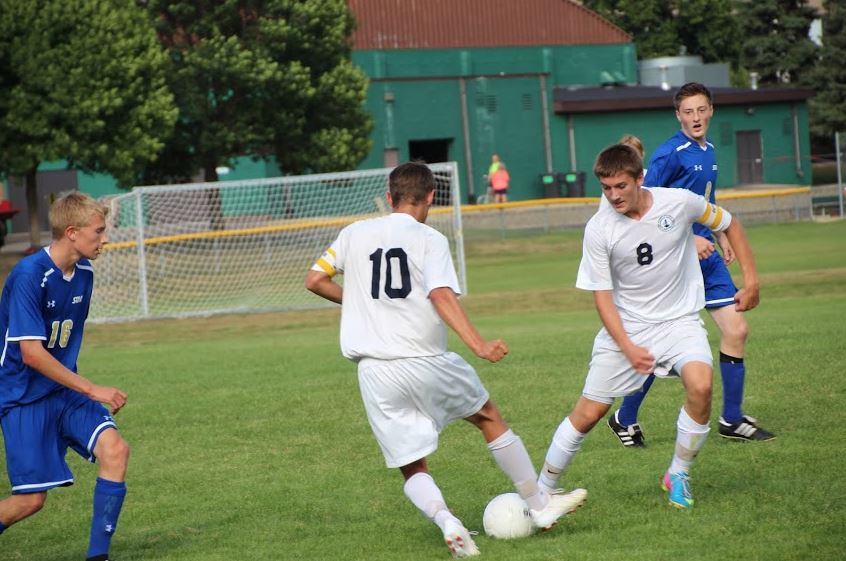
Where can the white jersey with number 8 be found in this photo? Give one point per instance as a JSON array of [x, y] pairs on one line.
[[650, 264]]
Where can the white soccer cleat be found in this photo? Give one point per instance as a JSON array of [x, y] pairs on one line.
[[560, 503], [458, 540]]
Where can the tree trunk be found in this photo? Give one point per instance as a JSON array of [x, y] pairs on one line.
[[32, 208]]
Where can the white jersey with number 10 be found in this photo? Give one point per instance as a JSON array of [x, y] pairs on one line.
[[390, 265]]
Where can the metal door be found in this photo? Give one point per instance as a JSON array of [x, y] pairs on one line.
[[750, 165]]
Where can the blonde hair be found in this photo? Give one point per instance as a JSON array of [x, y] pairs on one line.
[[634, 142], [73, 208]]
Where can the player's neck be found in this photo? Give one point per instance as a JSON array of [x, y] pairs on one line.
[[64, 256], [642, 204], [701, 142], [418, 212]]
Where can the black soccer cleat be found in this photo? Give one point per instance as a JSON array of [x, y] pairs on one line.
[[630, 436], [745, 429]]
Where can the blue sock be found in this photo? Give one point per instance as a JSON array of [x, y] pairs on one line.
[[2, 527], [733, 373], [108, 500], [627, 415]]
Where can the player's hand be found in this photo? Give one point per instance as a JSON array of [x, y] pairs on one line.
[[112, 397], [641, 359], [746, 298], [493, 351], [704, 247], [725, 245]]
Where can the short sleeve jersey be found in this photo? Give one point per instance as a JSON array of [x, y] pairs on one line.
[[650, 264], [40, 303], [390, 265], [683, 163]]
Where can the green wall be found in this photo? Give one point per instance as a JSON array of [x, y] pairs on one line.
[[594, 131], [416, 95]]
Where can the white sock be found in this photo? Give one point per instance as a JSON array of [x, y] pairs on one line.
[[512, 458], [690, 437], [565, 443], [424, 493]]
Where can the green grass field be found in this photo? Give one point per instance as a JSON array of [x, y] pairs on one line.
[[250, 441]]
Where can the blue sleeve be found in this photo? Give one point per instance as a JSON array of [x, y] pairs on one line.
[[661, 170], [25, 315]]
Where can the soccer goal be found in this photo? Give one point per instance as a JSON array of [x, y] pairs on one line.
[[241, 246]]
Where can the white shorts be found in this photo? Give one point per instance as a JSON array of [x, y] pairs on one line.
[[673, 344], [409, 401]]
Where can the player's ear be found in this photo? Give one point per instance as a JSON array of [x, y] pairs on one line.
[[389, 199], [70, 232], [430, 196]]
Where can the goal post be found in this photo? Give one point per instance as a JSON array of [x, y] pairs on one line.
[[241, 246]]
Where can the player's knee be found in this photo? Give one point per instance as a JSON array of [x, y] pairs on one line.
[[699, 391], [115, 453], [31, 503], [736, 331]]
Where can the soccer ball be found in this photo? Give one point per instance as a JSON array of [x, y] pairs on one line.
[[507, 517]]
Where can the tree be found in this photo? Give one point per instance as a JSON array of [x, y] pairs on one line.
[[651, 23], [776, 43], [660, 28], [80, 80], [261, 78], [828, 107]]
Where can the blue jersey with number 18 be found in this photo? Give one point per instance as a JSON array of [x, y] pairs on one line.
[[40, 303], [682, 162]]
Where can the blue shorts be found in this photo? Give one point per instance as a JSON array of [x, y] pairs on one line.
[[719, 287], [37, 437]]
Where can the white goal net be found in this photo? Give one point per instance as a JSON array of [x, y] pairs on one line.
[[241, 246]]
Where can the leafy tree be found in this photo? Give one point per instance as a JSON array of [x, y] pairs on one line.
[[776, 43], [261, 78], [828, 107], [80, 80], [651, 23], [659, 28]]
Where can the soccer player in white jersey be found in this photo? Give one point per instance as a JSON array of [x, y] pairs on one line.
[[639, 259], [46, 407], [399, 295]]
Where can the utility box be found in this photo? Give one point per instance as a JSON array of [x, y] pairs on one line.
[[572, 183], [551, 185]]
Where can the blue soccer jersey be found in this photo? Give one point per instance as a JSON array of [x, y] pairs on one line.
[[40, 303], [682, 162]]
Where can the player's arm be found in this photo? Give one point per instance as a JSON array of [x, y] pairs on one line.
[[447, 305], [36, 356], [639, 357], [720, 220], [322, 284], [748, 296], [319, 278], [725, 246]]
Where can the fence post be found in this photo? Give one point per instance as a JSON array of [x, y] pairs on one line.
[[142, 259], [839, 173]]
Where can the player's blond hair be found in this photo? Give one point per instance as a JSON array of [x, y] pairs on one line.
[[73, 208], [617, 159], [634, 142]]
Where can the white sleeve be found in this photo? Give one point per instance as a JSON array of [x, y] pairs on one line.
[[595, 267], [332, 260], [438, 270]]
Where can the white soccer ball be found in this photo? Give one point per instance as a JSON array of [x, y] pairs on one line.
[[507, 517]]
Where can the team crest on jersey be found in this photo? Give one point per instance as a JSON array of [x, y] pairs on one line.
[[666, 223]]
